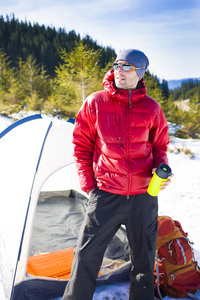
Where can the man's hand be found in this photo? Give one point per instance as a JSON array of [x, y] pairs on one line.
[[164, 183]]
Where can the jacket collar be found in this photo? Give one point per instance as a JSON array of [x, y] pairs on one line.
[[123, 95]]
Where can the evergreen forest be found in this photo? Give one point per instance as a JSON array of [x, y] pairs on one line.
[[51, 71]]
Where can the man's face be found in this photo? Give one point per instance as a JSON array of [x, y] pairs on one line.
[[125, 79]]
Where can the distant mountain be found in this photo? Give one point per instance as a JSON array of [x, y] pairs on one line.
[[173, 84]]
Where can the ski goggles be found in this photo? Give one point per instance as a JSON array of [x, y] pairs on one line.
[[125, 67]]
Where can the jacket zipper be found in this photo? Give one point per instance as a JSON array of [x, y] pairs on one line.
[[129, 179], [130, 103]]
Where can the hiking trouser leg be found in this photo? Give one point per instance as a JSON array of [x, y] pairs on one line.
[[142, 235], [98, 228]]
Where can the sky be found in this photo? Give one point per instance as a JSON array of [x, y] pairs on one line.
[[167, 31]]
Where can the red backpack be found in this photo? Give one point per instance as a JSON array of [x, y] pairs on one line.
[[176, 271]]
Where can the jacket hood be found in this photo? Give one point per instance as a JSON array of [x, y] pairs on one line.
[[123, 95]]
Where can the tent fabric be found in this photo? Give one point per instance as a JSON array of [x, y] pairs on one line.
[[40, 289], [31, 150], [56, 153], [19, 122], [57, 221], [20, 148]]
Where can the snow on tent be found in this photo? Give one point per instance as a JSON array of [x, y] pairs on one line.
[[41, 210]]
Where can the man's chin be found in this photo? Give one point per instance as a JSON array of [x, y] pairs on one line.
[[121, 85]]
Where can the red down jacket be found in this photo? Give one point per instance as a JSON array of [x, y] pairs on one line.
[[119, 136]]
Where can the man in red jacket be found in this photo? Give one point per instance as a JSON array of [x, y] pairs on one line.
[[120, 138]]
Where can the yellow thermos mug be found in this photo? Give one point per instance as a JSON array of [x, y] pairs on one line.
[[161, 174]]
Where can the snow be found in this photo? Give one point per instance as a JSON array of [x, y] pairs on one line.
[[5, 122], [180, 201]]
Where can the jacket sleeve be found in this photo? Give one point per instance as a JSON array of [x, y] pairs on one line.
[[159, 139], [84, 137]]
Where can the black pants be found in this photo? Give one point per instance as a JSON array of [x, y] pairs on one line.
[[106, 212]]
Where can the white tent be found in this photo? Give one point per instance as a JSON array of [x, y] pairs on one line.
[[35, 153], [31, 150]]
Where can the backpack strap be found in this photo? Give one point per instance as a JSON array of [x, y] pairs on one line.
[[191, 296], [157, 273]]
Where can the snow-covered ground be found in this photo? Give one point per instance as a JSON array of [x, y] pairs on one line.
[[180, 201]]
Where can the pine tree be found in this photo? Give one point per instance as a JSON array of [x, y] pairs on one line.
[[34, 86], [165, 89], [153, 88], [76, 78], [82, 66], [7, 85]]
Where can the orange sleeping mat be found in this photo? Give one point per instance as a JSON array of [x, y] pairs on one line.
[[54, 265]]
